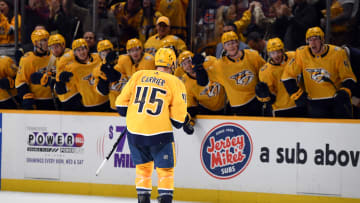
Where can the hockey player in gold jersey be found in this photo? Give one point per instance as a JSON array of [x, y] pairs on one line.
[[8, 92], [80, 75], [270, 90], [35, 95], [207, 98], [71, 100], [163, 29], [328, 77], [238, 72], [153, 101], [126, 66]]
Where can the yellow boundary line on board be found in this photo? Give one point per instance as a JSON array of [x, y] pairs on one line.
[[181, 194], [243, 118]]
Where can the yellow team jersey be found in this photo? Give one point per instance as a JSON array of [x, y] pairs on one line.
[[147, 30], [154, 43], [242, 24], [212, 96], [238, 77], [29, 64], [64, 60], [175, 10], [127, 68], [333, 64], [83, 81], [153, 98], [271, 75], [8, 70]]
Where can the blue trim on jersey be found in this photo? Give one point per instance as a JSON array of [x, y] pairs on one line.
[[176, 124], [0, 145], [122, 110], [162, 138]]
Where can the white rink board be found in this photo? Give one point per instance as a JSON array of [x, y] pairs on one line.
[[320, 139]]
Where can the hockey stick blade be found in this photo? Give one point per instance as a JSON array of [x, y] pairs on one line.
[[111, 152]]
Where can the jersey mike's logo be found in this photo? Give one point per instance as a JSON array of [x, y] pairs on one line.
[[318, 74], [243, 78], [211, 90], [226, 151]]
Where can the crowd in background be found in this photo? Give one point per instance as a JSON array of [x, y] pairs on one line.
[[134, 30]]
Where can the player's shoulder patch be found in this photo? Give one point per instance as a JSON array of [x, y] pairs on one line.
[[264, 68], [336, 48], [66, 55], [29, 53], [148, 57], [175, 37]]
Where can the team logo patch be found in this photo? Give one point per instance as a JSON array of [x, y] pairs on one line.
[[243, 78], [211, 90], [226, 151], [318, 74], [90, 79]]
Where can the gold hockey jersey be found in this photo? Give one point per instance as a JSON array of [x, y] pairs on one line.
[[29, 64], [127, 68], [332, 64], [271, 75], [153, 98], [239, 77], [64, 60], [8, 70], [175, 10], [83, 81], [154, 43]]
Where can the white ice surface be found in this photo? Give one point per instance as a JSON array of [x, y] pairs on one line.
[[27, 197]]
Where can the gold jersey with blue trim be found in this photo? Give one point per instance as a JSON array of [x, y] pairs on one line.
[[239, 77], [332, 64], [29, 64], [83, 80], [271, 75], [152, 98], [8, 70]]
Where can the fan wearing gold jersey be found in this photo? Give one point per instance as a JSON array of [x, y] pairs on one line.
[[153, 101], [328, 78], [8, 92], [163, 29], [238, 72], [270, 90], [207, 98], [35, 95], [80, 75]]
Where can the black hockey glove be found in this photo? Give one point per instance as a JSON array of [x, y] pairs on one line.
[[262, 92], [111, 74], [65, 76], [188, 125], [5, 83], [28, 101]]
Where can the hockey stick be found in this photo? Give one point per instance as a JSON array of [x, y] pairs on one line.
[[111, 152]]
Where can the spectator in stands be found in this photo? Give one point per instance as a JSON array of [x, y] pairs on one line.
[[163, 29], [328, 78], [8, 70], [90, 39], [256, 42], [36, 13], [148, 21], [80, 75], [106, 26], [270, 90], [67, 19], [175, 10], [128, 15], [7, 22], [343, 21], [220, 52], [237, 72], [303, 16], [36, 96]]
